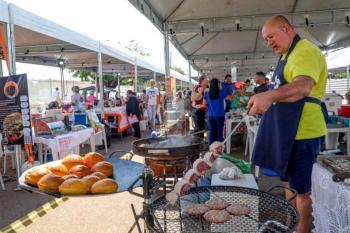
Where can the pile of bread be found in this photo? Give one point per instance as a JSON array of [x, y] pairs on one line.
[[74, 175]]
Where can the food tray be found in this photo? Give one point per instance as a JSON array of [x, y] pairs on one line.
[[125, 172], [339, 166]]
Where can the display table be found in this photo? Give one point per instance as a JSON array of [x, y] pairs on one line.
[[330, 202], [62, 144], [120, 112], [333, 135]]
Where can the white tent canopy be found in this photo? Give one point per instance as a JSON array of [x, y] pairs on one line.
[[213, 34], [40, 41], [337, 59]]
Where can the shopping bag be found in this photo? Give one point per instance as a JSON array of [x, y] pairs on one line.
[[132, 119]]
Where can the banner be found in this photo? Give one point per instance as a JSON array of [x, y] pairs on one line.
[[15, 124]]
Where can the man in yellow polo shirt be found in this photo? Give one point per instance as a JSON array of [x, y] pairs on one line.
[[292, 124]]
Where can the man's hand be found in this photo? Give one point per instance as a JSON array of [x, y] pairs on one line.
[[260, 103]]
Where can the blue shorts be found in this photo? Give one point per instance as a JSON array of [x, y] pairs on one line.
[[304, 154]]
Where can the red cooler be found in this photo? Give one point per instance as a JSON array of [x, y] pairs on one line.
[[344, 111]]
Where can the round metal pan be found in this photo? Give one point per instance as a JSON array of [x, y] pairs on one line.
[[159, 147]]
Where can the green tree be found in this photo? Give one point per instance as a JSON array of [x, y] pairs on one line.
[[178, 69]]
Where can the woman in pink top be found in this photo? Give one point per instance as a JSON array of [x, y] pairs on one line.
[[90, 100]]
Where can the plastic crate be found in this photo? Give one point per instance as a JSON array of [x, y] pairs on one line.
[[80, 119]]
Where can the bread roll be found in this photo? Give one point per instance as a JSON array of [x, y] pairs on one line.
[[99, 175], [72, 160], [80, 171], [92, 158], [33, 176], [90, 180], [58, 169], [70, 176], [73, 187], [104, 167], [104, 186], [50, 183]]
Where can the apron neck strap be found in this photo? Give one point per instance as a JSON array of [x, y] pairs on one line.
[[292, 46]]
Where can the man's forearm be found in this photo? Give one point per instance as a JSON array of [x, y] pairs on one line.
[[294, 91]]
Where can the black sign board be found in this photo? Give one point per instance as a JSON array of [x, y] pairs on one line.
[[15, 125]]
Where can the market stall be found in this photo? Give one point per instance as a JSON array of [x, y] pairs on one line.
[[117, 118]]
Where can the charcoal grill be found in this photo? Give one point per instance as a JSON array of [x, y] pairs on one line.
[[269, 213], [172, 151]]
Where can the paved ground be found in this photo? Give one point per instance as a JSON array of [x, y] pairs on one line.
[[109, 213]]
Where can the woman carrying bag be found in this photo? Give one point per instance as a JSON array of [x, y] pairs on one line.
[[133, 112]]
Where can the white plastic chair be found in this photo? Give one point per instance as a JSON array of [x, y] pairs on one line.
[[252, 130], [91, 115], [7, 153]]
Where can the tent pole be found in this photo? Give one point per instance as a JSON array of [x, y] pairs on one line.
[[100, 75], [189, 74], [347, 77], [118, 84], [135, 75], [50, 83], [11, 47], [166, 54], [62, 84]]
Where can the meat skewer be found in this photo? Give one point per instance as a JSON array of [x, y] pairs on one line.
[[200, 165], [192, 176], [181, 187]]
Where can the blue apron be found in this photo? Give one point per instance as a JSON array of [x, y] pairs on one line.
[[279, 126]]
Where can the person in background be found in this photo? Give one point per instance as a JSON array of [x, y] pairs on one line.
[[161, 105], [347, 96], [187, 103], [56, 95], [143, 97], [229, 87], [133, 108], [76, 98], [118, 99], [198, 113], [180, 104], [90, 100], [214, 101], [260, 79], [292, 125], [152, 94]]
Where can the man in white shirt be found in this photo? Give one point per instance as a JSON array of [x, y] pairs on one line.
[[56, 95], [152, 94]]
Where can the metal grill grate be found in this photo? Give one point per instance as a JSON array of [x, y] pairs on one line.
[[269, 213]]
